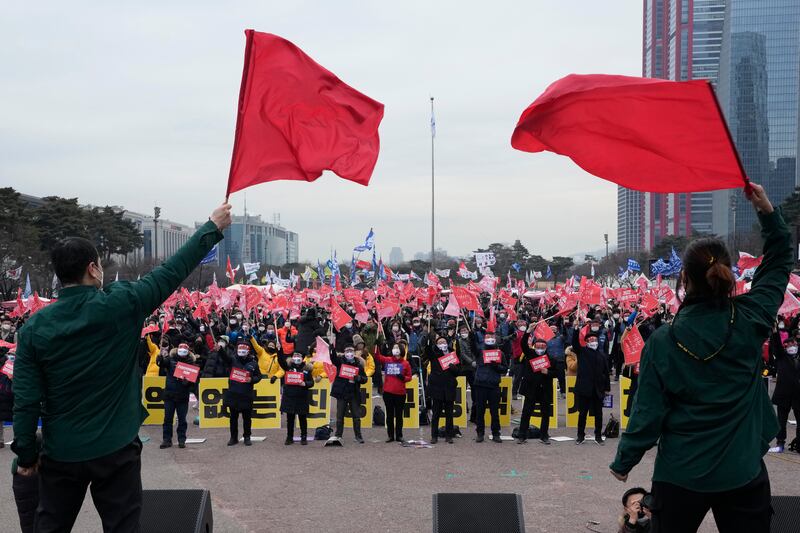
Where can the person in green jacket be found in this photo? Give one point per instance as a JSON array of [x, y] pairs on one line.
[[700, 394], [77, 369]]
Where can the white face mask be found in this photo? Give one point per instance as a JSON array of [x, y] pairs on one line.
[[349, 355], [395, 329], [595, 328], [183, 352], [6, 327], [591, 345], [233, 322], [202, 329], [442, 347], [781, 325], [540, 351], [239, 316], [616, 316], [791, 350], [297, 360], [464, 335], [242, 353], [348, 325], [521, 328], [261, 328], [222, 344], [489, 342], [396, 352], [100, 279]]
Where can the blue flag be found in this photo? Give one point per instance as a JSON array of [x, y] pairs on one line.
[[549, 273], [369, 243], [211, 256], [675, 262], [634, 266], [353, 270], [516, 266], [374, 262], [320, 272]]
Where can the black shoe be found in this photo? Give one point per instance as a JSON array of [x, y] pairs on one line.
[[449, 440], [288, 441], [399, 438], [434, 440], [497, 439], [522, 441], [390, 439], [233, 442], [247, 441], [579, 440], [181, 444], [599, 440], [359, 439], [545, 440], [166, 444], [479, 438], [303, 441]]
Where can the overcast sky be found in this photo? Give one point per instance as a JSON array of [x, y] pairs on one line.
[[135, 106]]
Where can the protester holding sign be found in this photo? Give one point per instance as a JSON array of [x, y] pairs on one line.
[[398, 373], [346, 388], [786, 395], [297, 381], [238, 398], [711, 439], [490, 366], [442, 385], [176, 392], [537, 384], [591, 385]]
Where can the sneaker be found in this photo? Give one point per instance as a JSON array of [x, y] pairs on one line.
[[522, 441], [599, 442], [479, 438], [777, 449], [579, 441], [181, 444], [233, 442], [359, 439], [390, 439], [303, 441], [434, 440], [166, 444], [247, 441], [496, 439], [545, 440], [288, 441], [520, 397]]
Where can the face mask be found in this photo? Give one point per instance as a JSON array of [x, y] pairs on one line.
[[270, 332], [348, 325], [239, 316], [464, 335], [521, 328], [540, 351], [164, 352], [616, 316], [442, 347], [781, 325], [261, 328], [395, 329], [349, 355], [222, 344], [270, 347], [202, 329], [416, 324], [396, 352], [595, 328], [791, 350], [489, 342], [233, 322], [6, 327], [591, 345], [242, 353], [297, 360], [100, 279], [183, 352]]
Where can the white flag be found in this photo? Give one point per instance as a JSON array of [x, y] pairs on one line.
[[443, 273], [251, 268], [485, 259]]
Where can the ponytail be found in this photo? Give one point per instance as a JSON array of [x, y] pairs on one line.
[[721, 282], [707, 267]]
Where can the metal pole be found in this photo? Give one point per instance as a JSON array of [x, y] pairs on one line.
[[433, 248]]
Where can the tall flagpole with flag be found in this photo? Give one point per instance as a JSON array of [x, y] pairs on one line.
[[433, 136]]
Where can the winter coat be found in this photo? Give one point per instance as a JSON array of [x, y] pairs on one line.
[[343, 337], [217, 365], [442, 383], [488, 375], [287, 335], [536, 385], [787, 386], [295, 398], [347, 389], [153, 351], [268, 363], [593, 378], [395, 383], [571, 360], [176, 389], [308, 329], [240, 395]]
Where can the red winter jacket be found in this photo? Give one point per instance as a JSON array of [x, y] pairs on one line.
[[394, 384]]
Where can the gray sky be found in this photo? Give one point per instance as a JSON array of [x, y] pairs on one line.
[[136, 105]]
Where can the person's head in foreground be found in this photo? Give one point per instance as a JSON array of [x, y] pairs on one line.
[[706, 274], [635, 514], [76, 262]]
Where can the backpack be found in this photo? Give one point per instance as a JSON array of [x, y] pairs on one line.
[[323, 433], [378, 416], [612, 428], [533, 433]]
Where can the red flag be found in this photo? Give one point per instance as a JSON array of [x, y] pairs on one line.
[[747, 261], [296, 119], [632, 346], [543, 331], [452, 308], [339, 316], [645, 134], [229, 272], [491, 324]]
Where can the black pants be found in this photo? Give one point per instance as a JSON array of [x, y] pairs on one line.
[[439, 406], [303, 419], [743, 510], [594, 405], [115, 481], [516, 379], [484, 396], [170, 408], [342, 404], [530, 405], [560, 370], [247, 422], [395, 403], [783, 418]]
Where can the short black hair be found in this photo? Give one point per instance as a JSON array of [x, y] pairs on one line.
[[630, 492], [70, 258]]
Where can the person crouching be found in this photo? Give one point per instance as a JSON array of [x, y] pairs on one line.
[[297, 382], [238, 399], [176, 394]]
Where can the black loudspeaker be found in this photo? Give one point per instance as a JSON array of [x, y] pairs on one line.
[[176, 511], [787, 514], [477, 513]]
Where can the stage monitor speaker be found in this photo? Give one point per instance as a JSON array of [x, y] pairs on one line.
[[787, 514], [477, 513], [176, 511]]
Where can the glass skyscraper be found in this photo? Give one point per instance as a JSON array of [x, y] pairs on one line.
[[759, 90]]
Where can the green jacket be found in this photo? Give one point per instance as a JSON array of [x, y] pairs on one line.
[[77, 362], [712, 418]]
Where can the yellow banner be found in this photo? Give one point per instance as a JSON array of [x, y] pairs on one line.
[[365, 407], [266, 404], [460, 407], [411, 408], [536, 417], [319, 407], [505, 404], [572, 406], [153, 399], [625, 401]]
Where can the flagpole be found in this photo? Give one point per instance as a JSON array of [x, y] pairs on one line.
[[433, 135]]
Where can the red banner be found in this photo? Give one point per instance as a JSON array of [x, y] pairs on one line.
[[492, 356], [448, 360], [187, 372], [240, 375], [295, 378], [540, 363], [632, 346]]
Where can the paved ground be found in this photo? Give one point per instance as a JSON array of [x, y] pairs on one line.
[[385, 487]]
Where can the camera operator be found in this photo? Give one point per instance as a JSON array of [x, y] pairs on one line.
[[636, 517]]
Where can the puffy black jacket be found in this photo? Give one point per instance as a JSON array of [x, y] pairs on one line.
[[175, 389]]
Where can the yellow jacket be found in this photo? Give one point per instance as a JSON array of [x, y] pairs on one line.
[[369, 365], [152, 366], [266, 362]]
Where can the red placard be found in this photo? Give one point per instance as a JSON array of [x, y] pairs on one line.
[[150, 329], [632, 346], [348, 371], [8, 369], [540, 363], [187, 372], [492, 356], [240, 375], [543, 331], [448, 360], [295, 378]]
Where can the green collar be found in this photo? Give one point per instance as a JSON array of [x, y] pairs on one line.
[[75, 290]]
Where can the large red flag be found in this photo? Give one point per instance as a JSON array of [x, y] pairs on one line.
[[297, 119], [644, 134]]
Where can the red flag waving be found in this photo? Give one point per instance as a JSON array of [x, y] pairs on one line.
[[297, 119], [644, 134], [632, 346]]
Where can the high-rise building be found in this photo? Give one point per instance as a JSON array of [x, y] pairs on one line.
[[160, 239], [759, 91], [395, 256], [249, 240], [681, 41]]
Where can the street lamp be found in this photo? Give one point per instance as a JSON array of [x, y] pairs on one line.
[[157, 213], [605, 236]]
